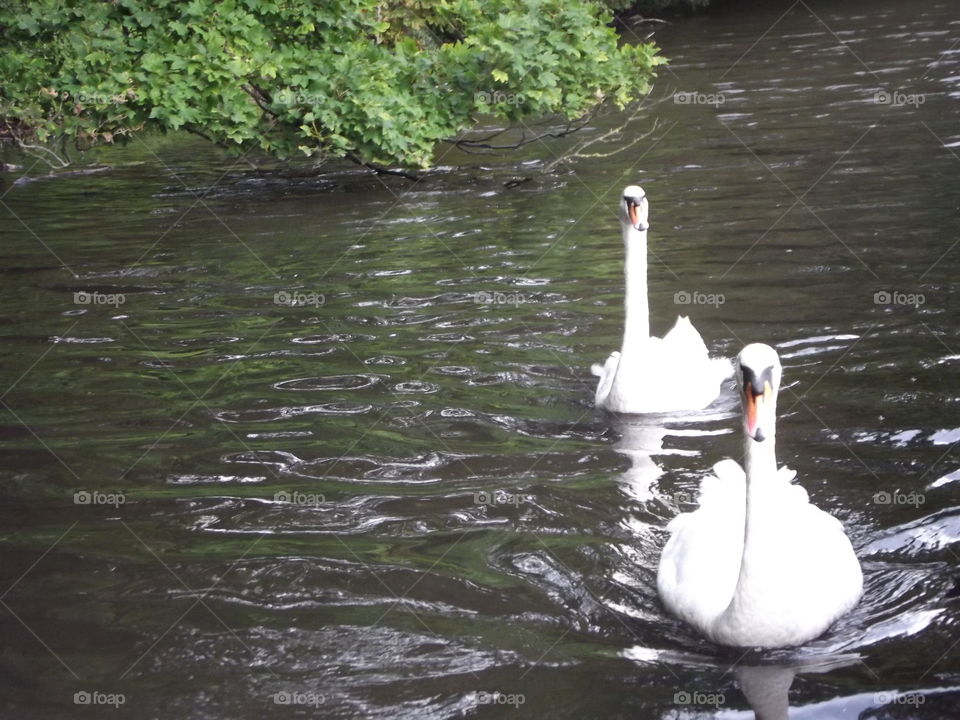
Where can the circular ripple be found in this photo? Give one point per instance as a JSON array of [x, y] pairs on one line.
[[416, 386], [329, 382]]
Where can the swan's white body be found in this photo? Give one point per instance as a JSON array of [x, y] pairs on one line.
[[642, 376], [756, 565]]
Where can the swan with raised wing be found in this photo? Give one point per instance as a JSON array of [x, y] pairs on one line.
[[651, 374], [756, 565]]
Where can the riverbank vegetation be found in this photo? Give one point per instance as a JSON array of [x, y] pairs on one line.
[[380, 83]]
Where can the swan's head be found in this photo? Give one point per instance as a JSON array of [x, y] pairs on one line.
[[758, 377], [633, 207]]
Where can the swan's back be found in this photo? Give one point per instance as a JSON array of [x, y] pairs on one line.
[[633, 382]]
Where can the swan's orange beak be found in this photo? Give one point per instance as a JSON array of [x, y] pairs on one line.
[[633, 212], [752, 399]]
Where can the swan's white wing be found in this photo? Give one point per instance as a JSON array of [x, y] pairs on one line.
[[701, 561], [606, 372]]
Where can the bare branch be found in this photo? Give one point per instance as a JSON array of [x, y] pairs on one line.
[[613, 134], [380, 169], [259, 97], [41, 153], [469, 144]]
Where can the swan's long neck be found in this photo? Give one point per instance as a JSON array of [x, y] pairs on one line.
[[747, 604], [761, 467], [636, 329]]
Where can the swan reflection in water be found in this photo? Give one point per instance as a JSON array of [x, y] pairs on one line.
[[764, 684], [642, 439]]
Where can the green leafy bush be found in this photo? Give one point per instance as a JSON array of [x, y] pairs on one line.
[[378, 82]]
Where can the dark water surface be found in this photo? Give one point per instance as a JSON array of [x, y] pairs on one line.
[[394, 500]]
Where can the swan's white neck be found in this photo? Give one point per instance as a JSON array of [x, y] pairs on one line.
[[760, 457], [761, 468], [636, 328]]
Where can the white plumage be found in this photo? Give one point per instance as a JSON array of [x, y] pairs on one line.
[[651, 374], [756, 565]]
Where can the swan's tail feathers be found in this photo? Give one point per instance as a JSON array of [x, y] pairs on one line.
[[606, 373], [684, 337]]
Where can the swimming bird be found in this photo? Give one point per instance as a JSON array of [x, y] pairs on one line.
[[757, 565], [651, 374]]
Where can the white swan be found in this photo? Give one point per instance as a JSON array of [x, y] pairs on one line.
[[650, 374], [756, 565]]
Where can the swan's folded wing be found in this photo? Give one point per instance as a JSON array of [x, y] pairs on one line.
[[698, 566], [720, 494], [721, 367], [725, 488]]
